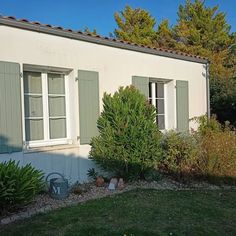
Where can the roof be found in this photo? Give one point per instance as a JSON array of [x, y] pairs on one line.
[[92, 38]]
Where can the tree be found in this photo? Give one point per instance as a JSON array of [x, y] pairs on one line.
[[88, 31], [204, 31], [200, 30], [135, 25], [129, 140], [164, 35]]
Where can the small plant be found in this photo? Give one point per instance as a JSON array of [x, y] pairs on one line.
[[92, 174], [18, 185]]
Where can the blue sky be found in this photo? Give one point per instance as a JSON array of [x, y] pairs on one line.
[[99, 14]]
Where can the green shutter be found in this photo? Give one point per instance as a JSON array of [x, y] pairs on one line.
[[141, 83], [10, 108], [182, 105], [88, 105]]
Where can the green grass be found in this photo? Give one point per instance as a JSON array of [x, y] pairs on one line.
[[139, 212]]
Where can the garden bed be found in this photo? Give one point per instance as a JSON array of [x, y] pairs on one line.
[[44, 203]]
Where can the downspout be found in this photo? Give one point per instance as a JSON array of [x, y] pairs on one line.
[[208, 90]]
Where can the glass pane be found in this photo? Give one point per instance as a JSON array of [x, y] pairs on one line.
[[160, 106], [161, 122], [150, 89], [32, 82], [56, 84], [57, 128], [57, 106], [34, 129], [160, 90], [33, 106]]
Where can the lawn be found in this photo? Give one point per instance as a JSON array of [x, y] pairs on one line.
[[139, 212]]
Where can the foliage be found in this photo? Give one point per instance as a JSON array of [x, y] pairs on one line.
[[205, 125], [205, 31], [129, 140], [88, 31], [208, 153], [164, 36], [92, 173], [179, 153], [199, 30], [223, 100], [18, 185], [217, 151], [135, 25], [139, 212]]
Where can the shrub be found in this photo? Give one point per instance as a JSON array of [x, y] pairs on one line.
[[18, 185], [217, 152], [179, 153], [129, 140]]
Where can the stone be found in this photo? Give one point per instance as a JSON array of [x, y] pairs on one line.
[[5, 221], [121, 184], [113, 184], [15, 217]]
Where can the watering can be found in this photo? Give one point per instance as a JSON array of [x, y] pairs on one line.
[[58, 187]]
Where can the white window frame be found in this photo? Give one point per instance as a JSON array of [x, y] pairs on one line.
[[154, 98], [47, 141]]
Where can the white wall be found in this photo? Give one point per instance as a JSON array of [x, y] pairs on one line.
[[116, 68]]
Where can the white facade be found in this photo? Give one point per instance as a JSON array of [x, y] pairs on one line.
[[115, 67]]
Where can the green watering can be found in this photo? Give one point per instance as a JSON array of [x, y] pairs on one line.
[[58, 187]]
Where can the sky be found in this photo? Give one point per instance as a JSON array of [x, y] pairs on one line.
[[99, 14]]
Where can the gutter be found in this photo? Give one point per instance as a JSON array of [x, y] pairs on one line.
[[208, 90], [59, 31]]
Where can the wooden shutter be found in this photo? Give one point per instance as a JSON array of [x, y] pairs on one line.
[[141, 83], [88, 105], [10, 108], [182, 105]]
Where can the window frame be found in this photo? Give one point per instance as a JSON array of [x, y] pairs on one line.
[[45, 99], [153, 98]]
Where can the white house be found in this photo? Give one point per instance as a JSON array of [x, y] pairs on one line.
[[52, 82]]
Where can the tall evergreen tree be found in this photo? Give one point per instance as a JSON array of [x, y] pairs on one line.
[[135, 25], [204, 31], [164, 35], [199, 30]]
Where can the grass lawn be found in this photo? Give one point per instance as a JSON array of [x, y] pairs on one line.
[[139, 212]]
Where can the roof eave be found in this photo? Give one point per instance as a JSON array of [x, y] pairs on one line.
[[97, 40]]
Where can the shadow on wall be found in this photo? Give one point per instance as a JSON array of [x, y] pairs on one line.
[[72, 162], [6, 146]]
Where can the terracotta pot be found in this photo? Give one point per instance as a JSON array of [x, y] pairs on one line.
[[100, 181]]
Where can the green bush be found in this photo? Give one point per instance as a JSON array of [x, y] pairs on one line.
[[217, 151], [179, 153], [18, 185], [129, 140], [208, 153]]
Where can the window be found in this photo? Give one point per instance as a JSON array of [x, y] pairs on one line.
[[157, 99], [45, 106]]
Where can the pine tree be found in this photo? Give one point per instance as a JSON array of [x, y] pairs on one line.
[[204, 31], [135, 25], [164, 35]]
